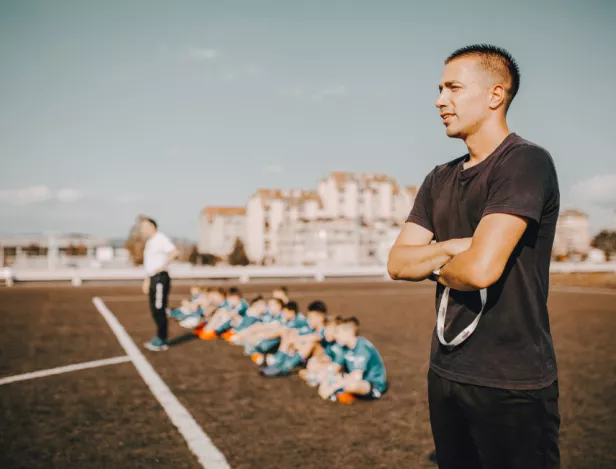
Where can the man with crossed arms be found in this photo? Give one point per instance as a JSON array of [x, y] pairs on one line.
[[492, 383]]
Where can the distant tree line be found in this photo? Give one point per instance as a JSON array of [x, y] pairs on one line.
[[606, 241]]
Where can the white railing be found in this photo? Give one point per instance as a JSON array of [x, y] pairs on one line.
[[240, 274]]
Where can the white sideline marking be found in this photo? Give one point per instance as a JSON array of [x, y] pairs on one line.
[[198, 442], [64, 369]]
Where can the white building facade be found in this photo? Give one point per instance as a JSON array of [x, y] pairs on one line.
[[572, 234], [370, 196], [219, 228], [335, 223]]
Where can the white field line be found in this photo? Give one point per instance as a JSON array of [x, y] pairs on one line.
[[198, 442], [64, 369]]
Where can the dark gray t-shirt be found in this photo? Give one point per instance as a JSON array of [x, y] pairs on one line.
[[512, 346]]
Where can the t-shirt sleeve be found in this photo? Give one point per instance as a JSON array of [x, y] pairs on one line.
[[421, 213], [520, 185]]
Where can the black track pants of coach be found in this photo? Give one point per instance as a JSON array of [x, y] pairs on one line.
[[476, 427], [160, 285]]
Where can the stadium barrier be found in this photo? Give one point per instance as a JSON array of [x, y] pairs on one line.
[[241, 274]]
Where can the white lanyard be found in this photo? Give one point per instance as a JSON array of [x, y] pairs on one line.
[[442, 312]]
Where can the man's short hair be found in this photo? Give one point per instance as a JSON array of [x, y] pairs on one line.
[[317, 306], [333, 321], [254, 300], [497, 61], [151, 221], [283, 289], [234, 291], [291, 306], [352, 322]]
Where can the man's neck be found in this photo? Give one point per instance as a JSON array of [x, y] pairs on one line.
[[353, 343], [483, 143]]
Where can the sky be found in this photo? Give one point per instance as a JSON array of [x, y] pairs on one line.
[[116, 108]]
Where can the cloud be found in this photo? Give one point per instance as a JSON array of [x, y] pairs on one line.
[[198, 53], [600, 189], [230, 76], [26, 195], [69, 195], [38, 194], [274, 169]]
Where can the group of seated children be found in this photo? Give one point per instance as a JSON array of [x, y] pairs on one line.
[[329, 351]]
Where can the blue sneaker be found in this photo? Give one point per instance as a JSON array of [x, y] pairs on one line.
[[272, 371], [156, 345]]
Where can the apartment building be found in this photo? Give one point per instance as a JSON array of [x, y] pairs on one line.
[[335, 241], [220, 227], [572, 234], [267, 210], [370, 196], [371, 200], [321, 241]]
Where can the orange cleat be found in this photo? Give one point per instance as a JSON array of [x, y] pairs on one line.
[[257, 358], [227, 335], [207, 335], [345, 398]]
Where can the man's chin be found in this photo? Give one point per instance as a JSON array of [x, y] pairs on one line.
[[452, 132]]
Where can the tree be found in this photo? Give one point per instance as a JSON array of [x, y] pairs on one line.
[[194, 256], [135, 243], [238, 255], [210, 259], [606, 241]]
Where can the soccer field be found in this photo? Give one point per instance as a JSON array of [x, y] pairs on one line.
[[113, 414]]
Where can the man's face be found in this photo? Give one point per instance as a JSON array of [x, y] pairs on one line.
[[330, 332], [234, 300], [464, 98], [194, 291], [288, 314], [315, 320], [147, 229], [345, 335], [274, 307], [257, 308], [216, 298]]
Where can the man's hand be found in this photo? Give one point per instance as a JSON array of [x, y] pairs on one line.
[[483, 263], [145, 288], [455, 246]]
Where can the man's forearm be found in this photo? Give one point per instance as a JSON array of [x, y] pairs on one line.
[[461, 273], [416, 263]]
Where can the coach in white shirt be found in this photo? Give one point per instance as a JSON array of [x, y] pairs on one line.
[[159, 252]]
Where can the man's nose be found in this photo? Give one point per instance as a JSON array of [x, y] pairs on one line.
[[441, 100]]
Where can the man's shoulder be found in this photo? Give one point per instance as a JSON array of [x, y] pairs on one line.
[[523, 151]]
